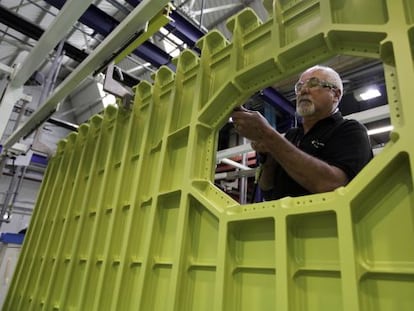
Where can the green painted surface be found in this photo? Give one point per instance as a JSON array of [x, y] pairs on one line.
[[128, 217]]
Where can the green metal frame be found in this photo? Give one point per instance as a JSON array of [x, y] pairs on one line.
[[128, 217]]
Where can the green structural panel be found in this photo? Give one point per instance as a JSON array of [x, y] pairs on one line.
[[128, 217]]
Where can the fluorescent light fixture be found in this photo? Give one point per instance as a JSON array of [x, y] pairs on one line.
[[366, 93], [380, 130]]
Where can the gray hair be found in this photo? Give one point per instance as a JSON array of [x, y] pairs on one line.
[[334, 77]]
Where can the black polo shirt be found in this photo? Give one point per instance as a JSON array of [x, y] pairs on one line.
[[339, 142]]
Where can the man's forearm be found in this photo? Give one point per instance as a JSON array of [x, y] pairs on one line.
[[311, 173], [267, 176]]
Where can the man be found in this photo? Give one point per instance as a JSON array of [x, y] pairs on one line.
[[324, 153]]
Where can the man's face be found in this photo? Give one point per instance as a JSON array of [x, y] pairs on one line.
[[317, 96]]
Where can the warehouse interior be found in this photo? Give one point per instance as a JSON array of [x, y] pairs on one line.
[[26, 30], [58, 68]]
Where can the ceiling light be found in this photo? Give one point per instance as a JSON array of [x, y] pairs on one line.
[[380, 130], [366, 93]]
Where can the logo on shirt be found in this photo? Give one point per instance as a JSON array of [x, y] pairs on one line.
[[317, 144]]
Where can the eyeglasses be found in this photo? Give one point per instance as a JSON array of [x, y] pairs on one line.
[[311, 83]]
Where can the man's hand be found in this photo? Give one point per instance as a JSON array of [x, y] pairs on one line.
[[252, 125]]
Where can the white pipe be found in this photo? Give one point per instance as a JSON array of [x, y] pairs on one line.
[[235, 164]]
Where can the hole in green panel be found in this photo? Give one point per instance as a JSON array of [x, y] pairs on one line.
[[90, 287], [173, 168], [383, 218], [302, 21], [202, 234], [255, 289], [214, 69], [101, 234], [306, 53], [45, 277], [219, 72], [317, 291], [313, 241], [199, 293], [130, 176], [119, 230], [71, 229], [158, 120], [251, 243], [258, 76], [73, 290], [107, 292], [257, 48], [183, 104], [137, 130], [139, 226], [148, 172], [293, 5], [361, 44], [359, 11], [128, 295], [386, 292], [411, 37], [165, 227], [103, 152], [58, 277], [156, 293], [409, 11], [121, 132], [85, 242]]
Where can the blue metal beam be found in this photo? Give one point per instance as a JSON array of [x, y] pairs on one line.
[[93, 17], [180, 27], [103, 24], [273, 97]]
